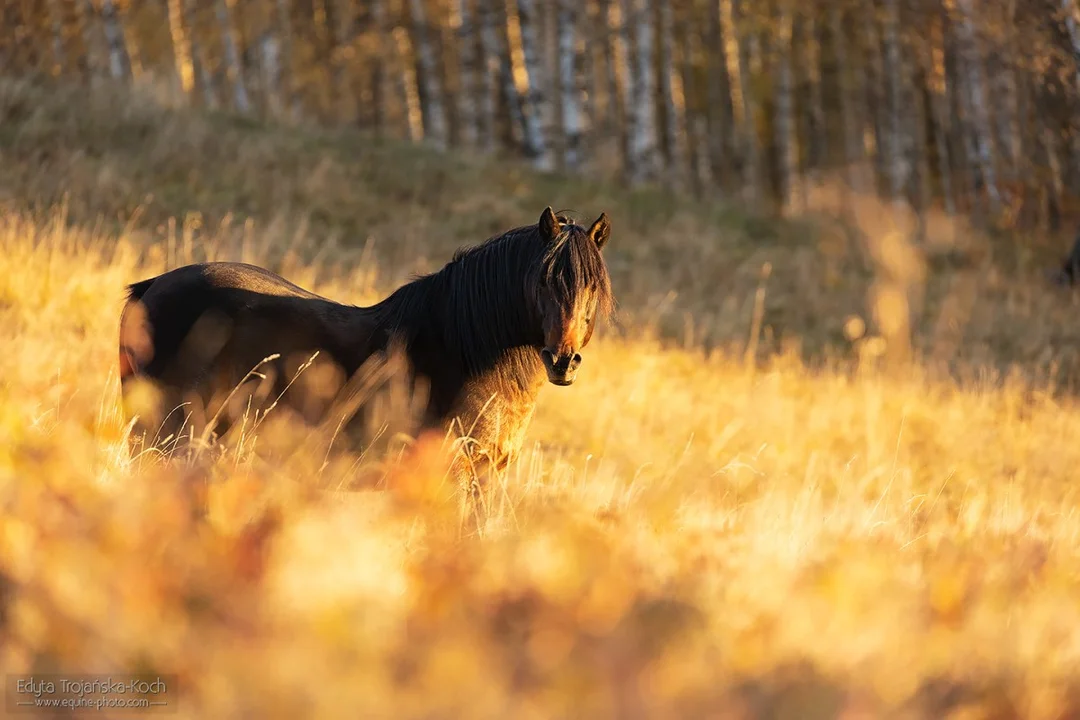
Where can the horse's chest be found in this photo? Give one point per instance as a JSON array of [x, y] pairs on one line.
[[496, 419]]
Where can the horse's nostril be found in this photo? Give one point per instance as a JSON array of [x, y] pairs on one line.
[[577, 360], [548, 356]]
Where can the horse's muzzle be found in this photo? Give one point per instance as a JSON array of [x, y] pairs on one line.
[[562, 369]]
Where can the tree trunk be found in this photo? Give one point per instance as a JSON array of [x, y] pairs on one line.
[[428, 85], [534, 100], [181, 46], [119, 60], [270, 62], [644, 163], [408, 85], [233, 68], [570, 79]]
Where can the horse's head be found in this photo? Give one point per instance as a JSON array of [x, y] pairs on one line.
[[573, 291]]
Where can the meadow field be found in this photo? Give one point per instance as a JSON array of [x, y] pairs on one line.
[[813, 470]]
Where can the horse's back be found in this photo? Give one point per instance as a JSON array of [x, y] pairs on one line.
[[198, 330], [219, 276]]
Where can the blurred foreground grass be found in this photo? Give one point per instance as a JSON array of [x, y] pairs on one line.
[[689, 537]]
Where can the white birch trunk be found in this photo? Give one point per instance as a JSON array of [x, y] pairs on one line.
[[533, 104], [119, 60], [570, 80], [431, 102], [233, 69], [270, 60], [786, 143], [644, 164], [973, 75]]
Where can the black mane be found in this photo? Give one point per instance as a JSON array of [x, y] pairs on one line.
[[483, 302]]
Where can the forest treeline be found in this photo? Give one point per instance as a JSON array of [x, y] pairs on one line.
[[967, 106]]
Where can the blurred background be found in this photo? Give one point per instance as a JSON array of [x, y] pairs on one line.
[[822, 465], [962, 106]]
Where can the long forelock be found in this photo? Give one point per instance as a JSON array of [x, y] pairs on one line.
[[572, 266]]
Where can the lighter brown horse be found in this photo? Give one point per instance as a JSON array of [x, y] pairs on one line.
[[480, 337]]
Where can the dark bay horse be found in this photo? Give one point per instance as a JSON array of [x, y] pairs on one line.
[[480, 336]]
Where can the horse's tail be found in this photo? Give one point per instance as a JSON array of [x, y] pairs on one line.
[[136, 346]]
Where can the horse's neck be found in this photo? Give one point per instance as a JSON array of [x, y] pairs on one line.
[[482, 325]]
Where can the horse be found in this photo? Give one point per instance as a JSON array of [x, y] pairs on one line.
[[480, 337]]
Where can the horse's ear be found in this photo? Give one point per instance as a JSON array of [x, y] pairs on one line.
[[549, 224], [600, 230]]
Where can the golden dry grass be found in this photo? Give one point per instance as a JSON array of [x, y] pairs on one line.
[[689, 537], [890, 530]]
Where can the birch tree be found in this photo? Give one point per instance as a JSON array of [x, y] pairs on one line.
[[233, 68], [181, 46], [570, 80], [427, 82], [534, 98], [644, 165], [119, 60]]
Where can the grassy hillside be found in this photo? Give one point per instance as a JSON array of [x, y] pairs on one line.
[[688, 267], [687, 535]]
